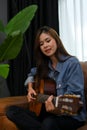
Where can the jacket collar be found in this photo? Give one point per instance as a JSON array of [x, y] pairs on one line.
[[59, 66]]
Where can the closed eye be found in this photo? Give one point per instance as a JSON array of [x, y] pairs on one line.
[[47, 40], [41, 43]]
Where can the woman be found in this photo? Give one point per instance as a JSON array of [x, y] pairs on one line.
[[53, 61]]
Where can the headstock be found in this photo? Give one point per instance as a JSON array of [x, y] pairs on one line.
[[68, 104]]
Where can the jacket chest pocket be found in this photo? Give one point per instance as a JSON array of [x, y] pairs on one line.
[[61, 88]]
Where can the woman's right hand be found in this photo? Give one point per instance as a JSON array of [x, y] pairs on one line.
[[31, 94]]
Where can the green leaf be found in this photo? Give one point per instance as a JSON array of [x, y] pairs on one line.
[[4, 70], [22, 20], [14, 30], [11, 46], [1, 26]]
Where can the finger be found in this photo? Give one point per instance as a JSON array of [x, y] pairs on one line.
[[50, 98]]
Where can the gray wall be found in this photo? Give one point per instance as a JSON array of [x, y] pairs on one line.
[[3, 11], [3, 15], [4, 92]]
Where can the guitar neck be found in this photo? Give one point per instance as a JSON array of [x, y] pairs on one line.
[[43, 97], [68, 100], [67, 104]]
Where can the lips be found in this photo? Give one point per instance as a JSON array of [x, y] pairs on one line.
[[47, 51]]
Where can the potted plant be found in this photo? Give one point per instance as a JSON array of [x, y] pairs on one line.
[[13, 32]]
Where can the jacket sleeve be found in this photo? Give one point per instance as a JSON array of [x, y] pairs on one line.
[[75, 83], [30, 77]]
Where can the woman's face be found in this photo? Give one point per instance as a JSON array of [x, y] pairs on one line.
[[48, 44]]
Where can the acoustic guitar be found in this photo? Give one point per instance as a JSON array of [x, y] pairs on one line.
[[64, 105]]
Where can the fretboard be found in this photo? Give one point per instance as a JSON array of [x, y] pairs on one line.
[[43, 97]]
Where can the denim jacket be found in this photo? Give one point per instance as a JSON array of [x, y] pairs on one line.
[[69, 80]]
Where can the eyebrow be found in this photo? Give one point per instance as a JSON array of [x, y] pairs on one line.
[[45, 39]]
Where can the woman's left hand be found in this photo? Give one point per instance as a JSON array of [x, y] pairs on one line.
[[49, 105]]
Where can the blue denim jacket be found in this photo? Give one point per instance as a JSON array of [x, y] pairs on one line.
[[69, 79]]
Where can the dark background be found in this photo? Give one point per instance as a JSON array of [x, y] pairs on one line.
[[47, 14]]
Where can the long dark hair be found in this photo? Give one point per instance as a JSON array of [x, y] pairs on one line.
[[42, 60]]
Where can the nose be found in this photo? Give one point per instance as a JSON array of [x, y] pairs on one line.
[[45, 44]]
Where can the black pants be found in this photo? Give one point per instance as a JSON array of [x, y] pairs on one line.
[[26, 120]]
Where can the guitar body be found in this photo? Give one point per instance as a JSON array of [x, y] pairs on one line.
[[47, 86], [65, 104]]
